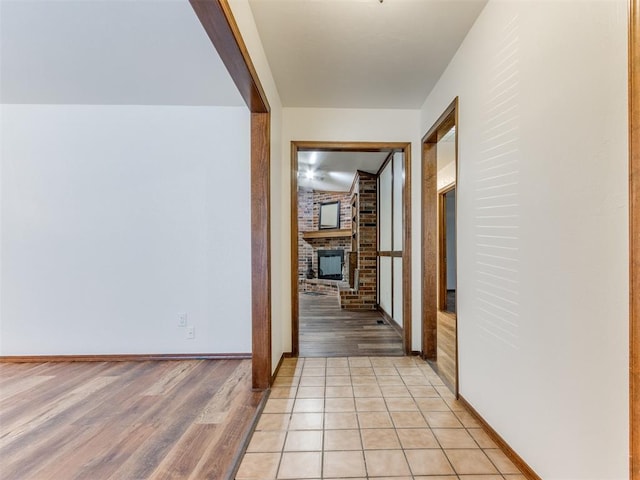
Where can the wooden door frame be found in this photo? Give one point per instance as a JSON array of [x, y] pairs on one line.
[[217, 19], [634, 238], [430, 238], [442, 239], [297, 146]]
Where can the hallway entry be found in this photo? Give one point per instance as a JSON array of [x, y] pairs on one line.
[[350, 252]]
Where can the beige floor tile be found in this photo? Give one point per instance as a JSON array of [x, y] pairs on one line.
[[482, 438], [374, 420], [283, 392], [470, 462], [340, 405], [308, 405], [380, 439], [312, 381], [403, 361], [415, 380], [444, 392], [278, 405], [428, 462], [358, 371], [258, 466], [514, 477], [436, 477], [269, 441], [423, 391], [315, 362], [390, 380], [432, 405], [394, 391], [337, 362], [501, 461], [313, 371], [392, 478], [371, 405], [334, 421], [273, 421], [400, 404], [408, 371], [417, 438], [408, 420], [336, 381], [364, 380], [361, 391], [342, 440], [303, 441], [456, 405], [386, 463], [454, 438], [381, 361], [385, 371], [306, 421], [344, 464], [359, 362], [333, 371], [298, 465], [309, 392], [337, 392], [442, 420], [467, 419], [285, 381], [481, 477]]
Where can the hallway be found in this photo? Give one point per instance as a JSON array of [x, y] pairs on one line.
[[368, 418], [326, 330]]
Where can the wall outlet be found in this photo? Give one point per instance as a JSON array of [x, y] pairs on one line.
[[182, 319], [191, 332]]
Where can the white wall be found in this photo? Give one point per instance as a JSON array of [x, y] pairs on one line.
[[280, 202], [117, 218], [362, 125], [542, 230]]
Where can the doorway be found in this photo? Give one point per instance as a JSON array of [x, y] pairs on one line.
[[439, 262], [325, 307]]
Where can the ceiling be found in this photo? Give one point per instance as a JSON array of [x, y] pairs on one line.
[[361, 53], [334, 171], [124, 52]]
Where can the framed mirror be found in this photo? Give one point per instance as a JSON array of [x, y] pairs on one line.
[[329, 215]]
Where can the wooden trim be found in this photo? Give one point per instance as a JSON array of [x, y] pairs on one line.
[[526, 470], [137, 357], [326, 234], [634, 238], [218, 22], [407, 289], [392, 323], [430, 236], [237, 459], [295, 300], [261, 250], [387, 253], [297, 146]]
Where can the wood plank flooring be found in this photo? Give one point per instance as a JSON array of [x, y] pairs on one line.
[[326, 330], [124, 420]]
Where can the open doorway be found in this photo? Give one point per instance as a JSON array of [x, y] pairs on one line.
[[350, 287], [439, 262]]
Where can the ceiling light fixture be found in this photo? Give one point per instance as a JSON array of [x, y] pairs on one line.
[[309, 175]]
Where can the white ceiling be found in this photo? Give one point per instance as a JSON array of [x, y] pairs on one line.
[[334, 171], [124, 52], [361, 53]]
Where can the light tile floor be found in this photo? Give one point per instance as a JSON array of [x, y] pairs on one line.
[[368, 418]]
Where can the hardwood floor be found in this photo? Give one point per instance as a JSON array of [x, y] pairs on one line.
[[326, 330], [124, 420]]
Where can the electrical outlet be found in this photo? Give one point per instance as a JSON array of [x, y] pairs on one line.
[[182, 319], [191, 332]]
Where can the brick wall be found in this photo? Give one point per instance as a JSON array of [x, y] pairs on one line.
[[364, 297]]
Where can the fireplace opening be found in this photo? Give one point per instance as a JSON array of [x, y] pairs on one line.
[[330, 264]]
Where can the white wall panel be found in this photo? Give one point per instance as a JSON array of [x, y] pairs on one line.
[[398, 176], [385, 292], [385, 229]]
